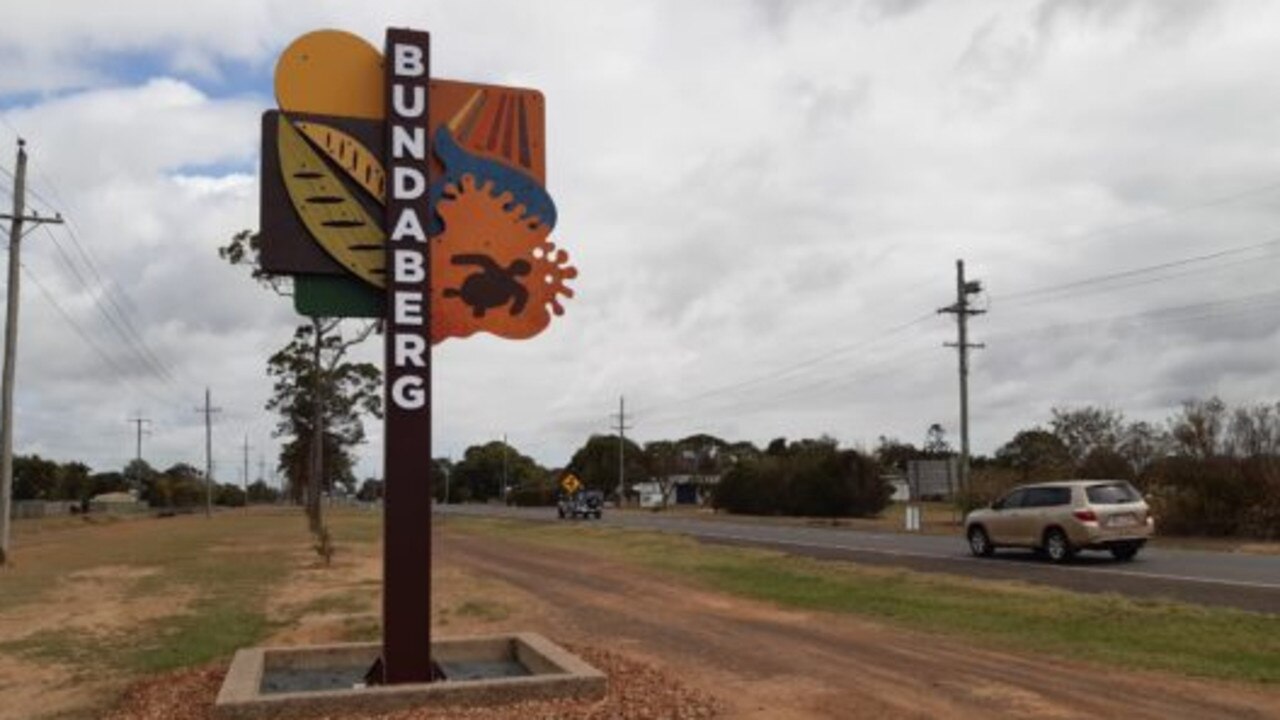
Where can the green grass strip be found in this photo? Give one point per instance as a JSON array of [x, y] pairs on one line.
[[1108, 629]]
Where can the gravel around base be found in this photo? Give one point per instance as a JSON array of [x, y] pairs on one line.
[[636, 692]]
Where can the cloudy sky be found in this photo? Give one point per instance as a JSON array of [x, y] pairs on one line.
[[765, 201]]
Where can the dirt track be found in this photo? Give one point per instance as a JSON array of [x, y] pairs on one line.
[[763, 662]]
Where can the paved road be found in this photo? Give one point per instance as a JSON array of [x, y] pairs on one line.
[[1248, 582]]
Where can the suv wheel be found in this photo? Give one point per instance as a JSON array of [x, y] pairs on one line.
[[1057, 547], [979, 542]]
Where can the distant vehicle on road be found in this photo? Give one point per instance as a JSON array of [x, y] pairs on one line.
[[582, 504], [1061, 518]]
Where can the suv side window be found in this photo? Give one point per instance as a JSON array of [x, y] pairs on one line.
[[1013, 500], [1047, 497]]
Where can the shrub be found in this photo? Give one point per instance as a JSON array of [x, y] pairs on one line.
[[532, 497], [812, 480], [1206, 496]]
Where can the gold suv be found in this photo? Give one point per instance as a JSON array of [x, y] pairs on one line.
[[1061, 518]]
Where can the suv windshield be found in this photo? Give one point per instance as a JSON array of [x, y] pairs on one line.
[[1112, 494]]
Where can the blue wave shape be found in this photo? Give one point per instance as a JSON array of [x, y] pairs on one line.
[[457, 162]]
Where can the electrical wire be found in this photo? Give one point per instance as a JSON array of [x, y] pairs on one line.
[[1105, 230], [119, 372], [122, 326], [786, 370], [1144, 270]]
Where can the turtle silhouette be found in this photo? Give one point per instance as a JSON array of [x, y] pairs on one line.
[[492, 286]]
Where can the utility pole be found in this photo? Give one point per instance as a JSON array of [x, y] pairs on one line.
[[208, 410], [246, 472], [504, 468], [622, 427], [16, 221], [139, 422], [962, 310]]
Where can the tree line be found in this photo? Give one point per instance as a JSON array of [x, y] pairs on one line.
[[178, 487], [804, 477]]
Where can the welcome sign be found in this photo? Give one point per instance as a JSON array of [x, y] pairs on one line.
[[389, 194]]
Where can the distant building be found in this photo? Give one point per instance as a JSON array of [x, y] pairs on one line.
[[117, 503], [689, 490]]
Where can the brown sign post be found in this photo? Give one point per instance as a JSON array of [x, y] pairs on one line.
[[406, 628]]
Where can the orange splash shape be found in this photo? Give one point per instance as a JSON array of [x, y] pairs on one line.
[[513, 293]]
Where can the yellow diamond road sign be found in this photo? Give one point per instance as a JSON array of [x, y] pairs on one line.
[[570, 483]]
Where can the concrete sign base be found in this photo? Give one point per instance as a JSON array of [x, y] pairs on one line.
[[301, 682]]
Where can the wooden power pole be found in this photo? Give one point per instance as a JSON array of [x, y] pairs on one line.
[[16, 220]]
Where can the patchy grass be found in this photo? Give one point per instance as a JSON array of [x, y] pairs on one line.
[[483, 610], [1156, 635], [346, 603], [204, 583], [361, 628]]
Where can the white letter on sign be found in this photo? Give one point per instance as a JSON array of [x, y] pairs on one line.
[[415, 143], [410, 267], [410, 350], [407, 393], [409, 183], [409, 61], [408, 226], [408, 308], [398, 101]]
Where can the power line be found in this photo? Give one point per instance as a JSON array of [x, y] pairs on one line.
[[1102, 231], [1215, 308], [1132, 272], [778, 373], [120, 373], [122, 322], [119, 322]]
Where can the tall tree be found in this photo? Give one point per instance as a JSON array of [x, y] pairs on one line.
[[1083, 430], [1254, 431], [1036, 453], [662, 464], [1142, 445], [596, 463], [34, 478], [1198, 427], [483, 468], [321, 399], [935, 441], [319, 396]]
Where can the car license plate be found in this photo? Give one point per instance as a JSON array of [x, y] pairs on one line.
[[1122, 521]]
